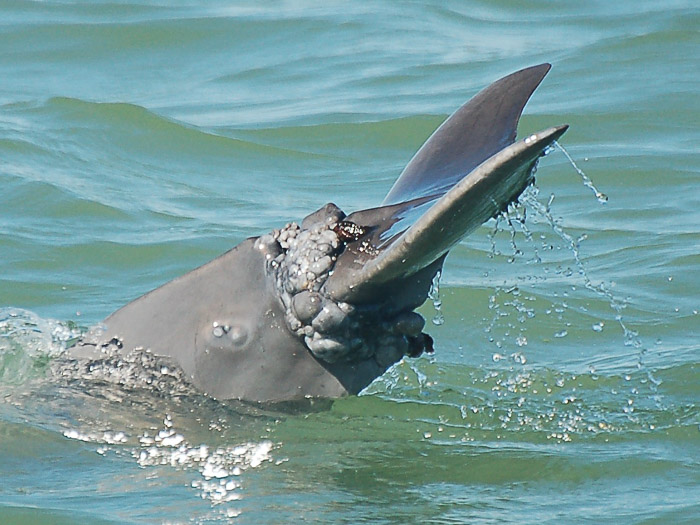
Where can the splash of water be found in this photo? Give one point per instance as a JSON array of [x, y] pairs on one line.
[[529, 198], [587, 182], [434, 296], [515, 217], [218, 470], [29, 342], [492, 237], [515, 328]]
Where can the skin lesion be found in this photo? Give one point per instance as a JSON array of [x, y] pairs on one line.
[[348, 231]]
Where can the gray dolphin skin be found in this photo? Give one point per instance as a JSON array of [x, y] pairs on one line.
[[320, 308]]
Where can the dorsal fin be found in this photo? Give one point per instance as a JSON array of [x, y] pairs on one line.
[[476, 131]]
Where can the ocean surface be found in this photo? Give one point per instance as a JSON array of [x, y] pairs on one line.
[[140, 139]]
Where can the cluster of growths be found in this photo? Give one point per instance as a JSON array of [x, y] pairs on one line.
[[302, 258]]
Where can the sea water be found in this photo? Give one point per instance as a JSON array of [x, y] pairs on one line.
[[140, 139]]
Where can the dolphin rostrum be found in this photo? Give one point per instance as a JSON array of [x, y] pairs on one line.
[[322, 308]]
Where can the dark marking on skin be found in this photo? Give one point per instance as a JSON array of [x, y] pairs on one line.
[[349, 231]]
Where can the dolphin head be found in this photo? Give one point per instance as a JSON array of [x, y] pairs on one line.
[[322, 307]]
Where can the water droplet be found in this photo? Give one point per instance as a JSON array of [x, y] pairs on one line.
[[434, 296], [519, 358], [599, 195], [562, 333], [598, 327]]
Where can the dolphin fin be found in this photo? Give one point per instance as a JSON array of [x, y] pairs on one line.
[[440, 223], [479, 129]]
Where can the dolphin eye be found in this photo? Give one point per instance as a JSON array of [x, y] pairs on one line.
[[238, 335], [225, 333]]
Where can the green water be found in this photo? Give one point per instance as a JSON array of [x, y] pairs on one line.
[[141, 139]]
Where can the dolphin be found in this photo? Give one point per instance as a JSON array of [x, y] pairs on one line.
[[322, 307]]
